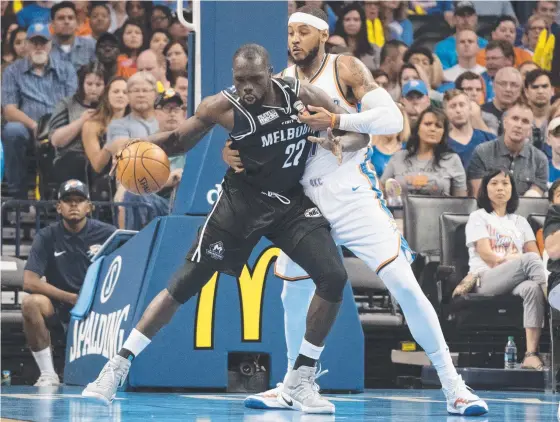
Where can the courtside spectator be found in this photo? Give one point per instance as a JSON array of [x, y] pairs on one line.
[[377, 33], [463, 136], [428, 166], [464, 17], [467, 48], [158, 41], [415, 100], [160, 18], [180, 84], [107, 53], [170, 113], [141, 122], [36, 12], [473, 85], [177, 57], [499, 54], [553, 139], [380, 78], [351, 28], [131, 43], [527, 164], [150, 62], [505, 30], [99, 19], [139, 11], [31, 88], [61, 253], [118, 15], [508, 86], [112, 106], [178, 31], [15, 49], [67, 120], [535, 25], [503, 254], [394, 18], [428, 68], [385, 146], [539, 92], [391, 59], [549, 11], [66, 45], [83, 28]]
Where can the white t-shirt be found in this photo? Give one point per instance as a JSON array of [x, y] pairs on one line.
[[454, 72], [507, 236]]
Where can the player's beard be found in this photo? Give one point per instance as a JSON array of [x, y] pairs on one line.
[[305, 62]]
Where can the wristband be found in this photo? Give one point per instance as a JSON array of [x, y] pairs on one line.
[[333, 121]]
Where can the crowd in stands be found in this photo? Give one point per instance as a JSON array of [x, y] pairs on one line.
[[86, 73]]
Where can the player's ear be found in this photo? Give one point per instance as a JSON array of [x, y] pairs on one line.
[[324, 36], [59, 207]]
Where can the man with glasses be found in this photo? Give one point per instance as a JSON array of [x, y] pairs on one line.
[[141, 122], [31, 88], [55, 271], [507, 86], [170, 113], [526, 164]]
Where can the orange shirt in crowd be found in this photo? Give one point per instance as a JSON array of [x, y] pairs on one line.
[[84, 30], [521, 56], [540, 240], [125, 72], [124, 61]]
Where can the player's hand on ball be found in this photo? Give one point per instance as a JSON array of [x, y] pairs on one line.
[[330, 143], [231, 157], [321, 120]]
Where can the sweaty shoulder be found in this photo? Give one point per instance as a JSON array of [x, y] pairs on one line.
[[355, 74]]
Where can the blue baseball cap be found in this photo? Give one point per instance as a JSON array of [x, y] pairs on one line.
[[39, 30], [414, 86]]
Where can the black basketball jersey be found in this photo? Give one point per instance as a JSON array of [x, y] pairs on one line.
[[272, 144]]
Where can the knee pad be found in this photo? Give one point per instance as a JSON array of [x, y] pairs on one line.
[[330, 285], [189, 280]]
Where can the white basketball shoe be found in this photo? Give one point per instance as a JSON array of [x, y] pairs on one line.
[[299, 393], [461, 400], [269, 399], [112, 377]]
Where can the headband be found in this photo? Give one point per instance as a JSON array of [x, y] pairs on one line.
[[310, 20]]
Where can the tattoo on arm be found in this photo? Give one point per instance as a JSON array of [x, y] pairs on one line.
[[358, 77]]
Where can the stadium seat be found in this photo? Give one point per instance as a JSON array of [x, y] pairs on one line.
[[421, 227], [472, 310], [12, 285], [528, 206], [536, 221], [375, 305]]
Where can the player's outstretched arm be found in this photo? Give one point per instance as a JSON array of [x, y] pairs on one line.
[[211, 111]]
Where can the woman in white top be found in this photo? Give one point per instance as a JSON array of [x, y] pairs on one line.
[[503, 252]]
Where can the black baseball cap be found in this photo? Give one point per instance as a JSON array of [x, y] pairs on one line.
[[463, 8], [168, 96], [73, 187], [107, 36]]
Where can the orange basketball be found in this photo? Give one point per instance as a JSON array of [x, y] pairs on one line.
[[142, 168]]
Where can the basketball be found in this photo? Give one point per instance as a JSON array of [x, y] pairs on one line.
[[142, 168]]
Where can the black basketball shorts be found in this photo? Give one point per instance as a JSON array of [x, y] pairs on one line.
[[242, 215]]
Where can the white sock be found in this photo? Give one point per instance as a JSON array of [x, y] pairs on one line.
[[296, 297], [420, 317], [441, 360], [310, 350], [44, 361], [136, 342]]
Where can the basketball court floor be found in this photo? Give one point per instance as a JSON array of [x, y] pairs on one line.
[[66, 404]]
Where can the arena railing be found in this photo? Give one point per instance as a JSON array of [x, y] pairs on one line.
[[105, 211]]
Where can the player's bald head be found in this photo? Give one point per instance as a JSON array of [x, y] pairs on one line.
[[253, 54]]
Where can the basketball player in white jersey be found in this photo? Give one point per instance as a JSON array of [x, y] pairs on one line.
[[349, 196]]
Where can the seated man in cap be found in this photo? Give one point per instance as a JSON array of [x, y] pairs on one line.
[[107, 51], [170, 113], [415, 99], [61, 254]]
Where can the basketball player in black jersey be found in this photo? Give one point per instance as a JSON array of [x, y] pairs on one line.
[[267, 199]]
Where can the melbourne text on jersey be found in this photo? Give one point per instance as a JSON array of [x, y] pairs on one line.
[[284, 135]]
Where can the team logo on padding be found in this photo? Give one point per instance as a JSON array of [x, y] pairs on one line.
[[216, 250], [267, 117], [313, 212]]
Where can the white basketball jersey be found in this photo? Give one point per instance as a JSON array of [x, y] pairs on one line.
[[321, 161]]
